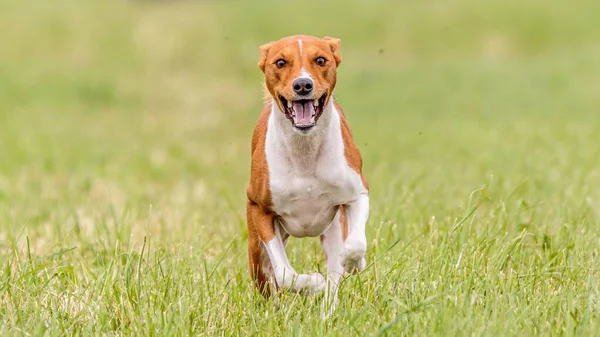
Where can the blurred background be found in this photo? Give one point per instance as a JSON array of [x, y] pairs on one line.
[[145, 109], [121, 120]]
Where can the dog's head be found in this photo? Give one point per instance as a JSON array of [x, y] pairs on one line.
[[300, 74]]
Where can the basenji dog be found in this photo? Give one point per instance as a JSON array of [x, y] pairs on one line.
[[306, 174]]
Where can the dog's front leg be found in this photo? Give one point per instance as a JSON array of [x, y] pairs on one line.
[[269, 232], [355, 246], [285, 276]]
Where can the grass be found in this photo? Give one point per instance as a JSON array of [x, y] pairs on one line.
[[124, 156]]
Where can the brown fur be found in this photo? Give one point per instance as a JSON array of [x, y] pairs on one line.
[[259, 215]]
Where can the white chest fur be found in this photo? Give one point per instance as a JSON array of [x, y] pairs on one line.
[[308, 174]]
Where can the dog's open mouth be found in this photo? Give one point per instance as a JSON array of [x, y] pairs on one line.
[[304, 113]]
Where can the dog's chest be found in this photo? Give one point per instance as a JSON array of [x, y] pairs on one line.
[[321, 186], [306, 202], [306, 189]]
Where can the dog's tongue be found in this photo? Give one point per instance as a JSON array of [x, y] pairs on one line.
[[304, 111]]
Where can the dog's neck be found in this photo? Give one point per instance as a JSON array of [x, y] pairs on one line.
[[303, 150]]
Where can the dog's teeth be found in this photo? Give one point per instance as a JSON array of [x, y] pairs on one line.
[[289, 104], [316, 102]]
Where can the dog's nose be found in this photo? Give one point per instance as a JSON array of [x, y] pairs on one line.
[[303, 86]]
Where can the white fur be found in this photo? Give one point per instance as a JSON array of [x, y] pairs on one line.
[[304, 74], [333, 245], [357, 213], [308, 173], [300, 46], [309, 178], [284, 275]]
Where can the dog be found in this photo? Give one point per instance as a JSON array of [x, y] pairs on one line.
[[306, 172]]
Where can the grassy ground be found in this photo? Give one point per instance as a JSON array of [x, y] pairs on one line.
[[124, 157]]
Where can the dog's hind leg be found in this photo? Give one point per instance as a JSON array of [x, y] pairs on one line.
[[259, 263], [332, 242]]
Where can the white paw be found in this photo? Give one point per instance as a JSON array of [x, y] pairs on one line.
[[309, 284], [306, 284], [353, 256]]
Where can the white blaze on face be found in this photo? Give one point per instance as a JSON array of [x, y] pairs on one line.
[[304, 74], [303, 112]]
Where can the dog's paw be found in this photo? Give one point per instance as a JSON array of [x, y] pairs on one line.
[[310, 284], [353, 256]]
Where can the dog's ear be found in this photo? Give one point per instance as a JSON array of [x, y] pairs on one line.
[[334, 44], [264, 51]]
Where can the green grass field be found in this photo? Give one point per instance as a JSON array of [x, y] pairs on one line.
[[124, 156]]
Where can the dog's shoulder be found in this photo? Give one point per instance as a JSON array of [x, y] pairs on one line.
[[351, 151], [258, 189], [260, 130]]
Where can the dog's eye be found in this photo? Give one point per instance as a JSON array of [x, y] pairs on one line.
[[321, 61], [280, 63]]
